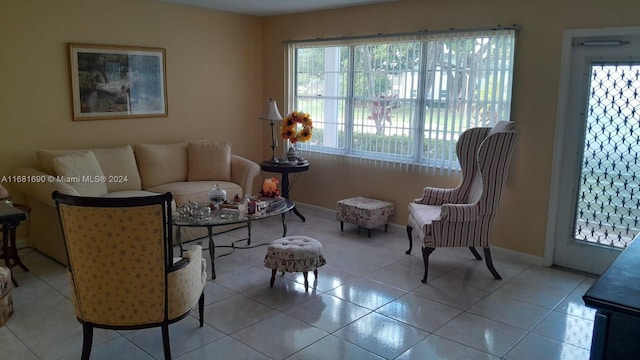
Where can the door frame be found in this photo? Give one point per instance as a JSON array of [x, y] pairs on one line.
[[561, 124]]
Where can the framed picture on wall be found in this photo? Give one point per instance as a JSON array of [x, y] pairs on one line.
[[117, 82]]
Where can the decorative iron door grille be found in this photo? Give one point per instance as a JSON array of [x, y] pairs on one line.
[[608, 203]]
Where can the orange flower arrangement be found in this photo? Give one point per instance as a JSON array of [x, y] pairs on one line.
[[270, 188], [290, 127]]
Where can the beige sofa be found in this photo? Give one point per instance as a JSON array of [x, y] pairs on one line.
[[187, 170]]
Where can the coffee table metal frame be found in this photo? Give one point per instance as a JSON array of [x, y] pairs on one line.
[[222, 217]]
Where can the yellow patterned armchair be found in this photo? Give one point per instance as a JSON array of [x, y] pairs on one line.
[[121, 265]]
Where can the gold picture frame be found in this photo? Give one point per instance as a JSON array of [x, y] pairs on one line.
[[117, 82]]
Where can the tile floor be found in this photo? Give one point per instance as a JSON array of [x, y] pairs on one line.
[[368, 303]]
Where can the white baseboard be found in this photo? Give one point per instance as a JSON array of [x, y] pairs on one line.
[[518, 256], [505, 253], [22, 243]]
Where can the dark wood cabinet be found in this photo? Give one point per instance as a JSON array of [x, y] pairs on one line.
[[616, 297]]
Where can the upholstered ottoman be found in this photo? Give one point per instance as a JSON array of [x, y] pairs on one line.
[[364, 212], [294, 254], [6, 303]]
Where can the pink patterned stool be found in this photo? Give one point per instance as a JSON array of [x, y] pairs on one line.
[[364, 212], [294, 254]]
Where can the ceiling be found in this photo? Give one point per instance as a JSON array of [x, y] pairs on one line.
[[273, 7]]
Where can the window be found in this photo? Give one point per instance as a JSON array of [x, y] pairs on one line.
[[401, 99]]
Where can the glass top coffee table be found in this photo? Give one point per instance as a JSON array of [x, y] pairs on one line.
[[222, 217]]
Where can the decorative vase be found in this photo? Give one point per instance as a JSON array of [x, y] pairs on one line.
[[292, 154], [217, 195]]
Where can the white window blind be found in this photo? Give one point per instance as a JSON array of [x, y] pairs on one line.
[[404, 99]]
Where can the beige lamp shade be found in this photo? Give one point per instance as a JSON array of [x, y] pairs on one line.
[[271, 112]]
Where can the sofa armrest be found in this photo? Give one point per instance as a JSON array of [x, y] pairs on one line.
[[39, 185], [243, 173]]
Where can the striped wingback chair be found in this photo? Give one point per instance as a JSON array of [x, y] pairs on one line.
[[463, 216], [121, 265]]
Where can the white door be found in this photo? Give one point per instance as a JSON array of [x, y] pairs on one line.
[[598, 178]]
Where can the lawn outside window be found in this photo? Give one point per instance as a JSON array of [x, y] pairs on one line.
[[404, 98]]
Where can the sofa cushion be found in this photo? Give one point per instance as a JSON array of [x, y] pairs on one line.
[[117, 163], [161, 163], [209, 161], [83, 173], [45, 158], [120, 168], [196, 191], [130, 193]]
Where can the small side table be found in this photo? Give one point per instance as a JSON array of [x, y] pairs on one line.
[[10, 218], [285, 168]]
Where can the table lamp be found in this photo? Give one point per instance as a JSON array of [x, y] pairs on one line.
[[272, 115]]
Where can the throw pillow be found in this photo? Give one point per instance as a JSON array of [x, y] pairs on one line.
[[160, 164], [117, 162], [119, 165], [209, 161], [82, 172], [46, 157]]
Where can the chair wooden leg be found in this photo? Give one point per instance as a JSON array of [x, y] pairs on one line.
[[409, 230], [87, 334], [475, 253], [426, 251], [201, 308], [487, 257], [165, 341]]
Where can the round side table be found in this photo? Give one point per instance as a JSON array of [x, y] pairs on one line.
[[285, 168]]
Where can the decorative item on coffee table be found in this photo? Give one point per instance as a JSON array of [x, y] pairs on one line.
[[270, 188], [217, 196], [270, 195]]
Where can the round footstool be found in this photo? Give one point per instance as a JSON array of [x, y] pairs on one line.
[[294, 254]]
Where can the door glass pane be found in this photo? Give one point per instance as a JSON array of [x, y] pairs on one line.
[[609, 195]]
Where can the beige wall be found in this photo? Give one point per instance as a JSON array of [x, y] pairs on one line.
[[213, 66], [521, 224], [220, 70]]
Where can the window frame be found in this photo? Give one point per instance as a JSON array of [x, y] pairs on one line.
[[418, 104]]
